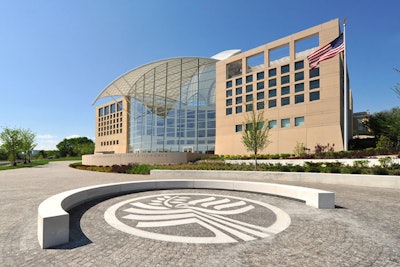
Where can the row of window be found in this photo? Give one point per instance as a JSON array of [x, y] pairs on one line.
[[110, 109], [284, 123], [109, 143], [108, 132], [111, 116]]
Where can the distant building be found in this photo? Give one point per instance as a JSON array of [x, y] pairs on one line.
[[198, 104]]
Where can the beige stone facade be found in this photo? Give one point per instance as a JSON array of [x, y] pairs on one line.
[[302, 105]]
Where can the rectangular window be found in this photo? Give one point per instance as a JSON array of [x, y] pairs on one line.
[[238, 109], [299, 65], [272, 93], [249, 107], [272, 124], [279, 55], [299, 121], [304, 45], [119, 106], [238, 81], [112, 108], [238, 128], [234, 69], [238, 90], [255, 62], [298, 99], [228, 84], [249, 98], [285, 90], [299, 87], [314, 84], [229, 102], [249, 88], [260, 75], [272, 72], [285, 69], [272, 103], [272, 82], [285, 123], [228, 93], [285, 101], [260, 105], [228, 111], [260, 85], [249, 78], [239, 100], [298, 76], [314, 96], [260, 95], [101, 110], [106, 110], [285, 79], [314, 73]]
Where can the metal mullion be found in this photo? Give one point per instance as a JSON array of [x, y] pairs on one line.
[[165, 107]]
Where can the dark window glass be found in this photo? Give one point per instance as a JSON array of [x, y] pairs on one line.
[[272, 93], [272, 72], [260, 95], [314, 96], [239, 100], [101, 112], [314, 84], [238, 81], [272, 103], [228, 111], [260, 85], [298, 98], [249, 78], [272, 82], [299, 65], [229, 84], [112, 108], [238, 128], [285, 101], [249, 107], [106, 110], [238, 90], [299, 87], [229, 102], [249, 98], [260, 75], [238, 109], [285, 123], [314, 73], [299, 121], [249, 88], [285, 69], [228, 93], [285, 90], [285, 79], [272, 124], [299, 76], [260, 105], [119, 106]]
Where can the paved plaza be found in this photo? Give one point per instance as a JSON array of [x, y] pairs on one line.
[[363, 230]]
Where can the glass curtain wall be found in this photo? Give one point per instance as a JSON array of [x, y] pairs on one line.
[[173, 108]]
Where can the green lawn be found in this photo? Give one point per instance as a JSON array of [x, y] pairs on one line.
[[37, 162]]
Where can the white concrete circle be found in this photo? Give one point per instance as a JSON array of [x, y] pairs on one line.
[[173, 218]]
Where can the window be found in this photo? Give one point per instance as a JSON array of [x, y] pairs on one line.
[[101, 110], [285, 101], [249, 78], [260, 85], [314, 96], [249, 88], [249, 98], [299, 65], [285, 123], [272, 103], [234, 69], [228, 93], [249, 126], [314, 84], [238, 90], [255, 62], [314, 73], [239, 100], [229, 84], [119, 106], [272, 72], [299, 87], [272, 93], [112, 108], [285, 69], [272, 124], [260, 105], [272, 82], [239, 109], [285, 90], [228, 111], [249, 107], [298, 99], [229, 102], [260, 95], [299, 76], [238, 81], [285, 79], [299, 121], [106, 110], [238, 128], [260, 75]]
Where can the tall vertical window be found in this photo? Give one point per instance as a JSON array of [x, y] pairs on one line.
[[119, 106], [112, 108], [101, 112], [106, 110], [228, 93]]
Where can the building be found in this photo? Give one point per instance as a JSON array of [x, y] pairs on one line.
[[193, 104]]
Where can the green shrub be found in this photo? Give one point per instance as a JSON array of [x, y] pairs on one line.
[[380, 171], [385, 162], [361, 163]]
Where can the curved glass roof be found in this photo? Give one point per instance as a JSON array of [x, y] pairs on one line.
[[167, 72]]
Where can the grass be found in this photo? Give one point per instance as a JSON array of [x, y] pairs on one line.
[[36, 162]]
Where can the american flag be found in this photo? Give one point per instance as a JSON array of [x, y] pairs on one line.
[[328, 51]]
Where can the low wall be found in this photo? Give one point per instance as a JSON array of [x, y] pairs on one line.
[[142, 158]]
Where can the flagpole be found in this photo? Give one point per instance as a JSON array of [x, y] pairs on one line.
[[345, 92]]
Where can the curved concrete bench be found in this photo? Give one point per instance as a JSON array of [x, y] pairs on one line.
[[53, 217]]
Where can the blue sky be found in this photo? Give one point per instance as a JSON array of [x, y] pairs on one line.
[[57, 56]]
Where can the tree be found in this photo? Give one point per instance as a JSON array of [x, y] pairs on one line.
[[75, 146], [386, 123], [255, 134], [12, 141], [27, 143]]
